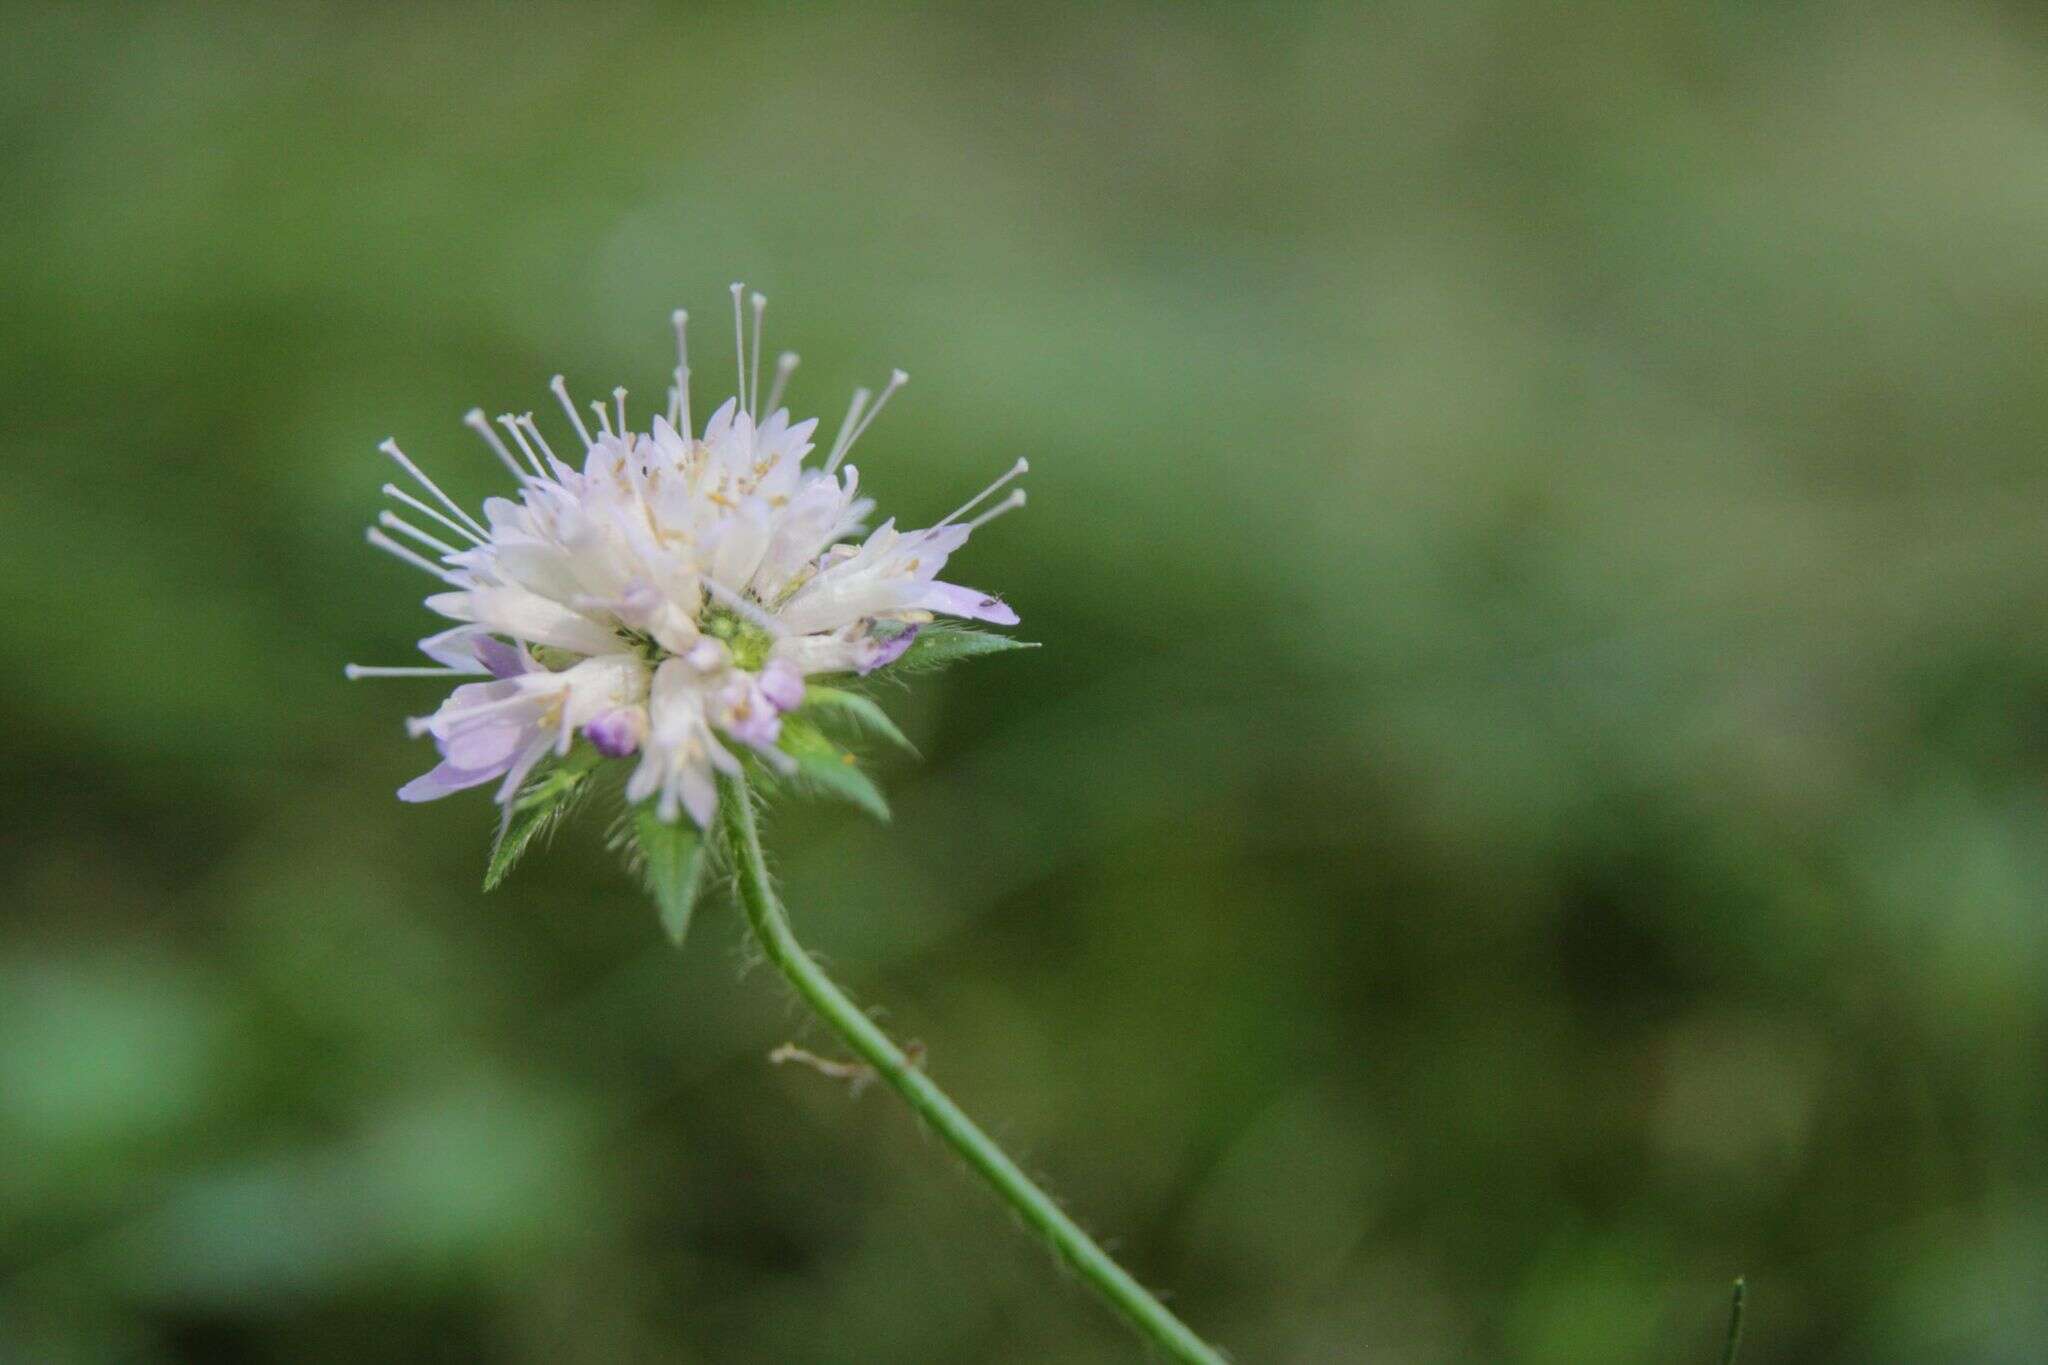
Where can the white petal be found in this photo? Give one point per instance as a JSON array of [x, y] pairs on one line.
[[526, 616]]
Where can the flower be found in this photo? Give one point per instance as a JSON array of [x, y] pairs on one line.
[[666, 595]]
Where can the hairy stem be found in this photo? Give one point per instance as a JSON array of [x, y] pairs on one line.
[[1033, 1207]]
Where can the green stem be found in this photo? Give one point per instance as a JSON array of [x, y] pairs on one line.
[[1734, 1342], [1040, 1215]]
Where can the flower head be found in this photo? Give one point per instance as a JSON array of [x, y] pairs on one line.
[[664, 594]]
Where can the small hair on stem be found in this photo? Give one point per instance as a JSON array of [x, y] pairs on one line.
[[857, 1075]]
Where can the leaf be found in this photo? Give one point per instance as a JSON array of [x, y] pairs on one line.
[[514, 835], [672, 865], [829, 769], [939, 647], [546, 798], [859, 711]]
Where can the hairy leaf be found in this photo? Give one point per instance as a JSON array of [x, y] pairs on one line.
[[546, 798], [938, 646], [825, 704], [828, 768], [671, 857]]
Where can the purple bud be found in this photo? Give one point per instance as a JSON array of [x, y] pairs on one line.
[[782, 686], [890, 650], [617, 732]]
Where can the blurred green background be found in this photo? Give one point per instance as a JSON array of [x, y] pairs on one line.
[[1531, 803]]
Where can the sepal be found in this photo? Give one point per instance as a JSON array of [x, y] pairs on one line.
[[830, 707], [547, 797], [821, 766], [669, 855], [942, 645]]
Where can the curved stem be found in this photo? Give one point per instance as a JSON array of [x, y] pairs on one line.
[[1039, 1214]]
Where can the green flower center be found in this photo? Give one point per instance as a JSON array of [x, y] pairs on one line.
[[747, 641]]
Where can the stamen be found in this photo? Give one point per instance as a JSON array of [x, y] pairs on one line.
[[390, 447], [526, 420], [745, 608], [739, 343], [845, 436], [475, 420], [760, 302], [398, 523], [561, 388], [392, 490], [604, 419], [355, 671], [784, 365], [619, 397], [511, 424], [1009, 504], [1021, 467], [897, 379], [681, 318], [418, 561]]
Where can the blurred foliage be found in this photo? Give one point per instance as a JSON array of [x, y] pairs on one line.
[[1531, 804]]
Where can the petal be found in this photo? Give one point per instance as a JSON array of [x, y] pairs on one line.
[[782, 686], [700, 796], [441, 781], [526, 616], [888, 651], [486, 747], [721, 421], [740, 548], [456, 647], [515, 775], [809, 654], [503, 660], [673, 448], [955, 600], [644, 780]]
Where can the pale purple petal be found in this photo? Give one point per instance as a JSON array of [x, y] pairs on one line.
[[443, 780], [515, 773], [759, 726], [503, 660], [700, 796], [454, 713], [955, 600], [473, 648], [455, 647], [722, 760], [487, 746]]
